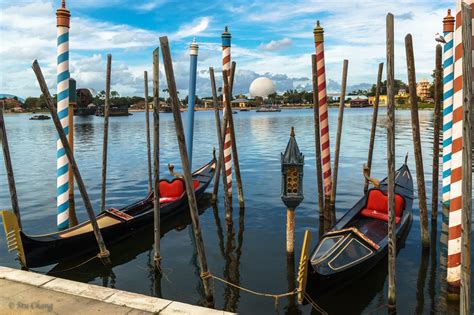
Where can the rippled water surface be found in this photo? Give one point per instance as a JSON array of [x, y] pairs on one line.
[[251, 251]]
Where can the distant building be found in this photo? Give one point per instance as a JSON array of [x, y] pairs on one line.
[[423, 89], [240, 102], [359, 102], [382, 100]]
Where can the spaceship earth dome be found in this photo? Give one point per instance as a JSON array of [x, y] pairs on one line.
[[262, 87]]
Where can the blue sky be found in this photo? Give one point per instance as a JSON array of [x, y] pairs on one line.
[[271, 38]]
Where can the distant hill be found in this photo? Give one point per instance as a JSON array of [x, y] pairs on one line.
[[4, 95]]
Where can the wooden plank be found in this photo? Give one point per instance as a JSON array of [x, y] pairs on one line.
[[104, 253], [168, 65], [339, 132], [220, 139], [106, 132], [9, 167], [392, 236], [415, 123], [466, 225], [156, 159], [374, 126], [437, 121], [147, 122]]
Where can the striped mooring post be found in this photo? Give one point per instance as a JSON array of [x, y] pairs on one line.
[[193, 52], [455, 190], [448, 83], [323, 109], [226, 57], [62, 71]]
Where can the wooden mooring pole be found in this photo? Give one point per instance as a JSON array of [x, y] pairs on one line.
[[437, 121], [466, 225], [156, 160], [228, 84], [392, 236], [9, 167], [147, 121], [104, 253], [106, 133], [374, 126], [220, 138], [317, 139], [168, 65], [339, 133], [420, 175], [72, 104]]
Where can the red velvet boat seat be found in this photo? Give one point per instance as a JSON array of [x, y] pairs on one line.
[[174, 190], [377, 206]]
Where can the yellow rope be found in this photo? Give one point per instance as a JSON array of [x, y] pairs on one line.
[[276, 296]]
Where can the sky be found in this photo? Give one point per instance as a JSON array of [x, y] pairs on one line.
[[269, 38]]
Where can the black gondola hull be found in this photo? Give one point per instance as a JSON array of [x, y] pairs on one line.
[[44, 250], [369, 234]]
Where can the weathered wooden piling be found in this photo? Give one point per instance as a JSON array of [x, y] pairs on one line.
[[317, 139], [392, 236], [374, 126], [466, 225], [72, 104], [228, 112], [147, 122], [106, 133], [156, 159], [220, 139], [168, 65], [104, 253], [339, 132], [437, 121], [8, 166], [420, 175]]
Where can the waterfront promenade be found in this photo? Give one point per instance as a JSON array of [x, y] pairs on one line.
[[23, 292]]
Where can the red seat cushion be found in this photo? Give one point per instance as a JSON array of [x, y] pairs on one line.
[[377, 206], [171, 191]]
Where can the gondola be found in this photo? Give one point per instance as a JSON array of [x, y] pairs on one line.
[[359, 240], [115, 224]]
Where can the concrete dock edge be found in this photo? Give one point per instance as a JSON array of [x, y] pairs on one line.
[[24, 292]]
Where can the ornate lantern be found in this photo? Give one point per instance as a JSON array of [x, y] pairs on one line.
[[292, 162]]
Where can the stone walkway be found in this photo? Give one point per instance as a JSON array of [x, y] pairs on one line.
[[23, 292]]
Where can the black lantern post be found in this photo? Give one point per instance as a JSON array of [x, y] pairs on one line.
[[292, 162]]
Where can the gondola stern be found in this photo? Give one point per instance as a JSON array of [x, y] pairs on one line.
[[13, 235]]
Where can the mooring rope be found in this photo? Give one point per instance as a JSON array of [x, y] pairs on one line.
[[207, 275]]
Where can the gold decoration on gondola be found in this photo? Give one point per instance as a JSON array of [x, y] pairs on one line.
[[12, 234]]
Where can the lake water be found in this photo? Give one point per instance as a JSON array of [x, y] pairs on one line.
[[250, 252]]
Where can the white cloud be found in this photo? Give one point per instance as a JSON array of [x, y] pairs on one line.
[[276, 44], [150, 5], [193, 29]]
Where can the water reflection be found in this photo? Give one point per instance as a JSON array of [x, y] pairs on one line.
[[125, 251]]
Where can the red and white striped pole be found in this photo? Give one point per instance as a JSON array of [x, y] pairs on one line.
[[226, 43], [455, 206], [323, 109]]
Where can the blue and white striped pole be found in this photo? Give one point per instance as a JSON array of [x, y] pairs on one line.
[[62, 71], [448, 91], [193, 52]]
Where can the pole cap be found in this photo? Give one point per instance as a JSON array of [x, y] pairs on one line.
[[318, 33], [226, 36], [63, 15], [448, 22], [193, 48]]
